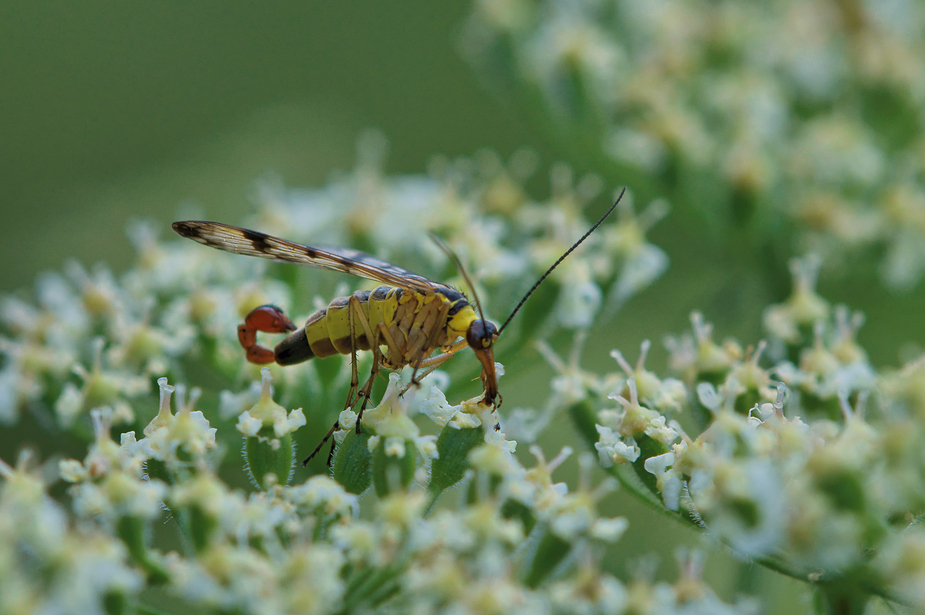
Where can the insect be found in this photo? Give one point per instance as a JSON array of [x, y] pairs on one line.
[[402, 322]]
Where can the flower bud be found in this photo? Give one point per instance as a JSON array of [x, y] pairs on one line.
[[351, 462], [453, 446], [268, 446], [392, 466]]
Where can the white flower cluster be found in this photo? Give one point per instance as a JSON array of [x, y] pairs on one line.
[[743, 114], [798, 453], [522, 544], [50, 564]]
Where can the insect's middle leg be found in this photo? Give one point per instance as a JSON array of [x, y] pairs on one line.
[[380, 336], [367, 389], [356, 317], [421, 360]]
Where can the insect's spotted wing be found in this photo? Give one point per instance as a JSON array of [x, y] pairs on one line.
[[253, 243]]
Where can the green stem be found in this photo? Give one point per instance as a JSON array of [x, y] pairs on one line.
[[430, 505], [372, 585], [841, 598]]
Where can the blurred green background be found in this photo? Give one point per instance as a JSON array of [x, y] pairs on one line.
[[116, 110], [110, 111]]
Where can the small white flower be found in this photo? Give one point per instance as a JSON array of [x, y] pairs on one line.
[[427, 446], [248, 425], [267, 412], [69, 404], [609, 530], [613, 448], [347, 419], [709, 396], [295, 420], [395, 447], [667, 478], [72, 470], [657, 429]]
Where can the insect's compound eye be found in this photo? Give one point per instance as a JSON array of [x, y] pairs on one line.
[[481, 334]]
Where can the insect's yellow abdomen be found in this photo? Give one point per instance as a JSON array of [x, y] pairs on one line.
[[383, 303], [328, 332], [317, 336]]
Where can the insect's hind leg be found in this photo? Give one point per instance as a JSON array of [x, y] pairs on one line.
[[355, 315], [270, 319], [365, 393], [373, 340], [327, 437]]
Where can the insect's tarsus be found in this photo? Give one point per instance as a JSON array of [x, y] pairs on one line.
[[561, 258]]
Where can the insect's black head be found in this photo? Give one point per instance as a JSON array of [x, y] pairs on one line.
[[480, 336]]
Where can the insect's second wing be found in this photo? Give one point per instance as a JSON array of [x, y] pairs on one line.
[[253, 243]]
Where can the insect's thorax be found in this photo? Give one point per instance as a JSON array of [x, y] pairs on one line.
[[425, 321], [415, 323]]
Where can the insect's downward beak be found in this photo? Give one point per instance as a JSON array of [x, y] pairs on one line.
[[486, 357]]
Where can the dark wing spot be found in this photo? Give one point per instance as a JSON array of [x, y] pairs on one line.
[[258, 240], [185, 230]]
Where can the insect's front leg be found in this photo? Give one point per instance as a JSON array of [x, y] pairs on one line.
[[428, 365], [393, 358], [432, 337], [268, 318]]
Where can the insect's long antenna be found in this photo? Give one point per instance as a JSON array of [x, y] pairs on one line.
[[561, 258], [446, 249]]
